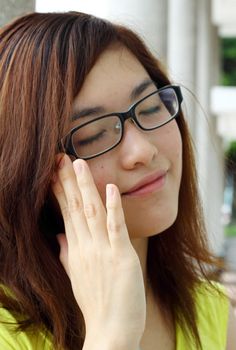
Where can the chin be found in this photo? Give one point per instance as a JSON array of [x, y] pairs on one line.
[[149, 228]]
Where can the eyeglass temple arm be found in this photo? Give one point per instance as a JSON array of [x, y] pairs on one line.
[[178, 93]]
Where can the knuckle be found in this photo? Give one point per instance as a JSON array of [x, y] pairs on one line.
[[57, 190], [90, 210], [74, 205], [114, 226], [83, 181], [65, 213], [64, 176], [112, 205]]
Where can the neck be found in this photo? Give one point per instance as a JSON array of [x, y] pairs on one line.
[[159, 327]]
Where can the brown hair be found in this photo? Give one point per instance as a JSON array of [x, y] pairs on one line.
[[44, 60]]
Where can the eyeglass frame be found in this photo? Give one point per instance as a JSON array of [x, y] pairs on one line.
[[123, 116]]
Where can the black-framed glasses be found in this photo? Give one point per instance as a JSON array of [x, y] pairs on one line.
[[101, 134]]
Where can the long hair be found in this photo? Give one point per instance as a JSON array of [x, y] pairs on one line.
[[44, 60]]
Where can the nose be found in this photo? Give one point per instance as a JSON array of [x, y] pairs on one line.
[[136, 147]]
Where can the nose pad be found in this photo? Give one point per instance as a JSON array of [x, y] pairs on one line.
[[118, 127], [132, 121]]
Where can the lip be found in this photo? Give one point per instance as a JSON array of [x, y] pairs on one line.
[[148, 184]]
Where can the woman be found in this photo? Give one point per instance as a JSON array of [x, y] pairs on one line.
[[102, 236]]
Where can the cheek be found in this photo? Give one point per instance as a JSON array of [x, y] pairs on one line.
[[178, 150], [102, 175], [168, 142], [176, 159], [170, 147], [173, 143], [176, 154]]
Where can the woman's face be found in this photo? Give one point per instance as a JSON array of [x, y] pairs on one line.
[[142, 156]]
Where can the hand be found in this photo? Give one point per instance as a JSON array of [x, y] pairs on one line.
[[97, 254]]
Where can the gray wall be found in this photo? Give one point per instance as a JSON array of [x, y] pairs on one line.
[[9, 9]]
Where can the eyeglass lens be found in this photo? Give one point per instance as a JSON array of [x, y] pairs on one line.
[[104, 133]]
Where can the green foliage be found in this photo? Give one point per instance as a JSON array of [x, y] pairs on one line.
[[230, 158], [228, 57], [230, 230], [231, 170], [231, 151]]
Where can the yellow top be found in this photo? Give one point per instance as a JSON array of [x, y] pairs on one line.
[[213, 313], [12, 340], [212, 310]]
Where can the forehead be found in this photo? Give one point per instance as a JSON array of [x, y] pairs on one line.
[[112, 77]]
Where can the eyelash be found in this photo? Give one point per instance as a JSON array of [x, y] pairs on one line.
[[92, 138], [150, 110]]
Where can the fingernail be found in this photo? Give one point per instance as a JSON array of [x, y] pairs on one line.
[[78, 166], [61, 163], [110, 190]]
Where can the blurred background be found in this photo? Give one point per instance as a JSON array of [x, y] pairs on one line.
[[196, 41]]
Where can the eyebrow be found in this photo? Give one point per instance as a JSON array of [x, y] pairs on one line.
[[139, 89], [94, 111], [88, 112]]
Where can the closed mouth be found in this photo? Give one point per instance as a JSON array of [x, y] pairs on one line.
[[148, 185]]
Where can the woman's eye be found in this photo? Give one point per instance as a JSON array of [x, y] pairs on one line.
[[90, 139], [151, 110]]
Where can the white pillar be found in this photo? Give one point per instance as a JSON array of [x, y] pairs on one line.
[[148, 18], [209, 154], [213, 198], [182, 49], [14, 8]]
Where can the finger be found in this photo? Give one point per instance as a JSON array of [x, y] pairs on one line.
[[72, 208], [62, 241], [116, 226], [94, 209], [59, 194]]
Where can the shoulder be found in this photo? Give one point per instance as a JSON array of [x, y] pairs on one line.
[[215, 315], [212, 311], [211, 300], [212, 305], [11, 338]]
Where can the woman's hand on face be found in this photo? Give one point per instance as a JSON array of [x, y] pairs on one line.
[[97, 254]]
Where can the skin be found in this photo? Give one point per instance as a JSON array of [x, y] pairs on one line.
[[107, 254], [104, 249], [109, 84]]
